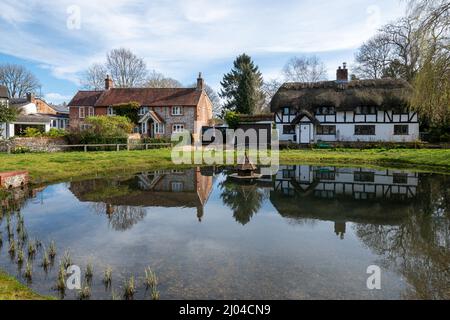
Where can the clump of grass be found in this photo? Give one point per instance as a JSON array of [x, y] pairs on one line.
[[12, 248], [107, 276], [129, 289], [85, 292], [52, 250], [45, 261], [114, 295], [67, 260], [155, 294], [32, 249], [29, 271], [151, 280], [61, 279], [20, 257], [89, 272]]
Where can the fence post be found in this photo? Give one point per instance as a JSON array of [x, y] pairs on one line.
[[118, 147], [146, 146], [85, 148], [9, 149], [128, 147]]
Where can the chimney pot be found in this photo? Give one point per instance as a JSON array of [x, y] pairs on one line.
[[200, 82], [109, 83], [30, 97]]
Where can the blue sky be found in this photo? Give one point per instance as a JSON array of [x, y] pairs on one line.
[[58, 40]]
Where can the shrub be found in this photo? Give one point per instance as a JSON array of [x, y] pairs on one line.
[[56, 133], [232, 119], [129, 110], [32, 133]]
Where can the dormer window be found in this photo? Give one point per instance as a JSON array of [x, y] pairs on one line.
[[286, 111], [177, 111], [366, 110]]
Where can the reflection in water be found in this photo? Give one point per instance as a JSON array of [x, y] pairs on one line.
[[401, 219]]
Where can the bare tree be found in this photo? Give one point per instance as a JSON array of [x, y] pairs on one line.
[[215, 100], [270, 88], [127, 69], [159, 80], [18, 80], [373, 58], [94, 77], [305, 69]]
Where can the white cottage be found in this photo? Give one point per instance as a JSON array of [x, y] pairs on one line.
[[345, 111]]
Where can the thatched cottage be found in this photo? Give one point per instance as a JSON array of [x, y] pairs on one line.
[[347, 111]]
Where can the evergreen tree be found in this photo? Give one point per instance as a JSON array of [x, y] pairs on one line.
[[242, 87]]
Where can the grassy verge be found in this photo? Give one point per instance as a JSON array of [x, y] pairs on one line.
[[55, 167], [11, 289]]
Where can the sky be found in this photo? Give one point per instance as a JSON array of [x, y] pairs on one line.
[[58, 40]]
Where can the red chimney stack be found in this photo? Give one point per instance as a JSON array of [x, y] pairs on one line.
[[342, 73], [109, 83]]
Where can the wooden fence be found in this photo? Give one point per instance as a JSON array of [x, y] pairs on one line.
[[116, 147]]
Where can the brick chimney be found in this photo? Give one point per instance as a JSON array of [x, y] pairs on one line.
[[109, 83], [342, 73], [200, 82], [30, 97]]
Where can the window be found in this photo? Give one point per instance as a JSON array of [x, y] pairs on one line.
[[401, 130], [110, 111], [364, 177], [288, 129], [91, 111], [54, 124], [177, 186], [400, 178], [366, 110], [326, 111], [286, 111], [178, 128], [177, 111], [143, 111], [325, 175], [364, 130], [82, 112], [288, 174], [159, 128], [84, 126], [326, 130]]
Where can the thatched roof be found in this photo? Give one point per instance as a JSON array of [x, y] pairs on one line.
[[383, 94]]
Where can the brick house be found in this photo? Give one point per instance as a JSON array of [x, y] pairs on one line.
[[163, 111]]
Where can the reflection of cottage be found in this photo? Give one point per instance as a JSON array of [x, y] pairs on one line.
[[168, 189], [34, 113], [328, 193], [343, 110]]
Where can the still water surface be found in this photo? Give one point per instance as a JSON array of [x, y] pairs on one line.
[[307, 233]]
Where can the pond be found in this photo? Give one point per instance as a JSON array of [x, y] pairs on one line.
[[308, 232]]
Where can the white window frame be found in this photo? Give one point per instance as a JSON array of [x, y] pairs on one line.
[[177, 186], [158, 128], [178, 128], [177, 111], [91, 111], [143, 111], [110, 112], [54, 123], [82, 112]]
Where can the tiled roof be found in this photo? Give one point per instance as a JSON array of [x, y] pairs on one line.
[[85, 98], [149, 97]]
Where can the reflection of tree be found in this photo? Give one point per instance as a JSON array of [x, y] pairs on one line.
[[418, 248], [244, 200], [121, 218]]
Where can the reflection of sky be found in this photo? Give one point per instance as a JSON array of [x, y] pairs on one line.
[[270, 257]]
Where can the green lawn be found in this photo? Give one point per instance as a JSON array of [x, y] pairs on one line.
[[52, 167], [11, 289]]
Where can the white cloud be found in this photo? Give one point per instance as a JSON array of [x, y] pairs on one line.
[[56, 98], [182, 36]]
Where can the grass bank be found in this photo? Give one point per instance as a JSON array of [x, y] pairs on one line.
[[46, 167], [11, 289]]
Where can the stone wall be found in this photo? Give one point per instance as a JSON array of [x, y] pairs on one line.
[[34, 145]]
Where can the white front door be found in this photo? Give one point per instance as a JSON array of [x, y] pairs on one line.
[[305, 133]]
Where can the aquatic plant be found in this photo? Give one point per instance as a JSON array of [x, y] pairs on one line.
[[114, 295], [151, 281], [32, 249], [20, 257], [107, 276], [85, 292], [52, 250], [29, 271], [67, 260], [129, 289], [155, 294], [12, 248], [89, 272], [45, 261], [61, 279]]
